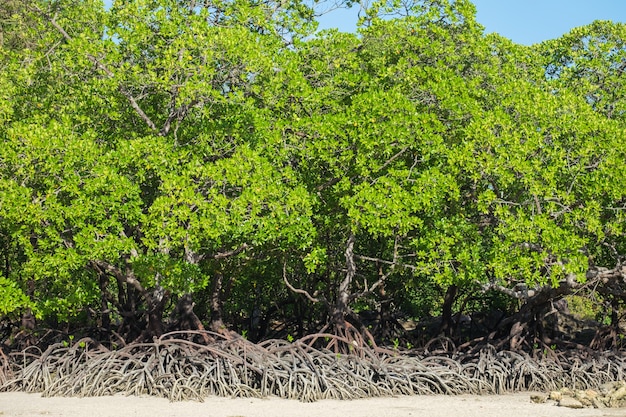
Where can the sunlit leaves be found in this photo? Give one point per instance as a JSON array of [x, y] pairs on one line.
[[138, 146], [13, 298], [159, 137], [590, 61]]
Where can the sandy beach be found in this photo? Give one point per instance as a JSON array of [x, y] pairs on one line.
[[510, 405]]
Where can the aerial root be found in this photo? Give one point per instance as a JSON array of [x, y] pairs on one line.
[[176, 368]]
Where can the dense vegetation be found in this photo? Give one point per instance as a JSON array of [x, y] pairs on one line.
[[180, 164]]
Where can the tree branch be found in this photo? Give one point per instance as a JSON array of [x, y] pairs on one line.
[[531, 295], [113, 270], [393, 158], [383, 277], [102, 67], [223, 255], [611, 282], [386, 262], [310, 297]]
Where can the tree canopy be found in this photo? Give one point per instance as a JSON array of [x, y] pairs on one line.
[[157, 150]]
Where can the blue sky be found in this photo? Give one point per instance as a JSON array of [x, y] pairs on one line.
[[523, 21]]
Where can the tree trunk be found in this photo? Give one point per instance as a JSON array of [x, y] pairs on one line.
[[131, 294], [184, 318], [216, 304], [156, 304], [343, 328], [447, 324], [342, 307], [105, 317], [524, 328]]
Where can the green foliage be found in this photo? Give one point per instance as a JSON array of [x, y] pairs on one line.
[[584, 307], [13, 298], [137, 150], [173, 274], [152, 145], [589, 61]]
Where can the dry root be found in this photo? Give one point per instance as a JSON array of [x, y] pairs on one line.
[[179, 369]]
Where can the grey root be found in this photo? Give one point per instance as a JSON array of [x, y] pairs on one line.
[[176, 367]]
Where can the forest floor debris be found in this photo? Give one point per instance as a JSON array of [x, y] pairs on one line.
[[608, 395]]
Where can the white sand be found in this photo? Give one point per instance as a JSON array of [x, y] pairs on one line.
[[514, 405]]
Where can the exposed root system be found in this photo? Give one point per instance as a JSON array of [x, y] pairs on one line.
[[178, 369]]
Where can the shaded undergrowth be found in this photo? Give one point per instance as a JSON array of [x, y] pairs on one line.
[[178, 368]]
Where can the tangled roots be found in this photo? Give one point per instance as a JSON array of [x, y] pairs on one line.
[[179, 369]]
